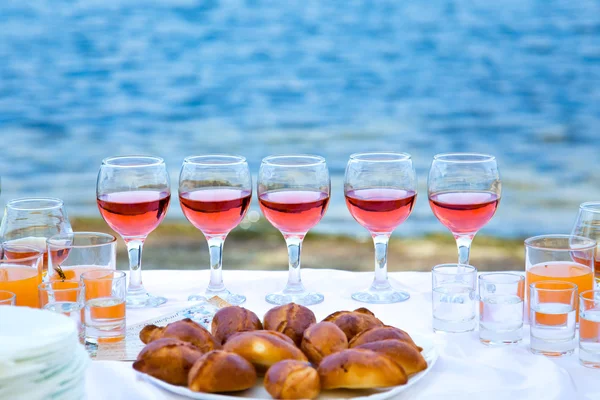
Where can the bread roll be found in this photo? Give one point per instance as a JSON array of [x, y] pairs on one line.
[[185, 330], [263, 349], [360, 369], [381, 333], [321, 340], [169, 360], [290, 379], [290, 319], [219, 371], [234, 319], [354, 322], [403, 353], [276, 334]]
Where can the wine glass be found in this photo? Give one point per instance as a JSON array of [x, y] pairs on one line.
[[588, 224], [380, 191], [133, 196], [293, 193], [215, 193], [30, 222], [464, 192]]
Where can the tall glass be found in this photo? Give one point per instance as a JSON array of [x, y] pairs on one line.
[[31, 221], [133, 194], [22, 275], [588, 225], [380, 190], [215, 193], [464, 192], [563, 258], [72, 254], [293, 193]]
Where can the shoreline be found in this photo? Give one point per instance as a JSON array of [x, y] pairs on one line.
[[178, 245]]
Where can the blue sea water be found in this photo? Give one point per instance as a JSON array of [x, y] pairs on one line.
[[82, 80]]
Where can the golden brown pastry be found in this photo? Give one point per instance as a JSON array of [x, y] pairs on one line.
[[219, 371], [360, 369], [185, 330], [403, 353], [169, 360], [234, 319], [354, 322], [276, 334], [321, 340], [290, 319], [381, 333], [290, 379], [263, 349]]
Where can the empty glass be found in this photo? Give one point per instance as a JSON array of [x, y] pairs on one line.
[[105, 296], [72, 254], [380, 191], [64, 297], [501, 304], [454, 297], [215, 193], [589, 328], [552, 309], [7, 298], [31, 221], [588, 225]]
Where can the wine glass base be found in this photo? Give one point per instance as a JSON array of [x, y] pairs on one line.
[[302, 298], [144, 300], [231, 298], [380, 296]]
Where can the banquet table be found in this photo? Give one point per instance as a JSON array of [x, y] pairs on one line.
[[466, 369]]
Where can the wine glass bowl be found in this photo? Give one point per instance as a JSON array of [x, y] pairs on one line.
[[380, 191], [587, 224], [133, 195], [293, 193], [464, 192], [215, 193]]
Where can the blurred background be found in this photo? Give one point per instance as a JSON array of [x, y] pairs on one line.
[[83, 80]]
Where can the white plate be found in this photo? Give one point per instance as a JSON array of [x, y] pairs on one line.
[[258, 392]]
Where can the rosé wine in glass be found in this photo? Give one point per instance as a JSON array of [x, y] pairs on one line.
[[294, 211], [464, 212], [380, 209]]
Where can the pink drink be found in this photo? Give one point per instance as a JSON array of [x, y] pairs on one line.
[[216, 210], [294, 211], [135, 213], [380, 210], [464, 212]]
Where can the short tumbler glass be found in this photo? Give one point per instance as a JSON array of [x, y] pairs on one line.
[[64, 297], [454, 297], [552, 315], [589, 328], [501, 305], [105, 294], [7, 298]]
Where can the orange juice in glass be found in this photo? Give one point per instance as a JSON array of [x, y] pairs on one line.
[[21, 276], [564, 258], [105, 293]]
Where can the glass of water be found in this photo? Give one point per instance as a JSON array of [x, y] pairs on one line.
[[105, 294], [64, 297], [589, 328], [454, 297], [552, 315], [501, 304]]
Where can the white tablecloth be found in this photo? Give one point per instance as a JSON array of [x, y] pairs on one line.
[[465, 369]]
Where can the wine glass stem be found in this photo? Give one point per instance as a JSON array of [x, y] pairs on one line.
[[134, 250], [381, 249], [294, 245], [215, 248], [464, 248]]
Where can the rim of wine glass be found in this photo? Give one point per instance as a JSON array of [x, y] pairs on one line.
[[530, 242], [197, 160], [568, 286], [393, 156], [70, 236], [153, 161], [269, 160], [591, 206], [466, 158], [17, 204], [38, 255]]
